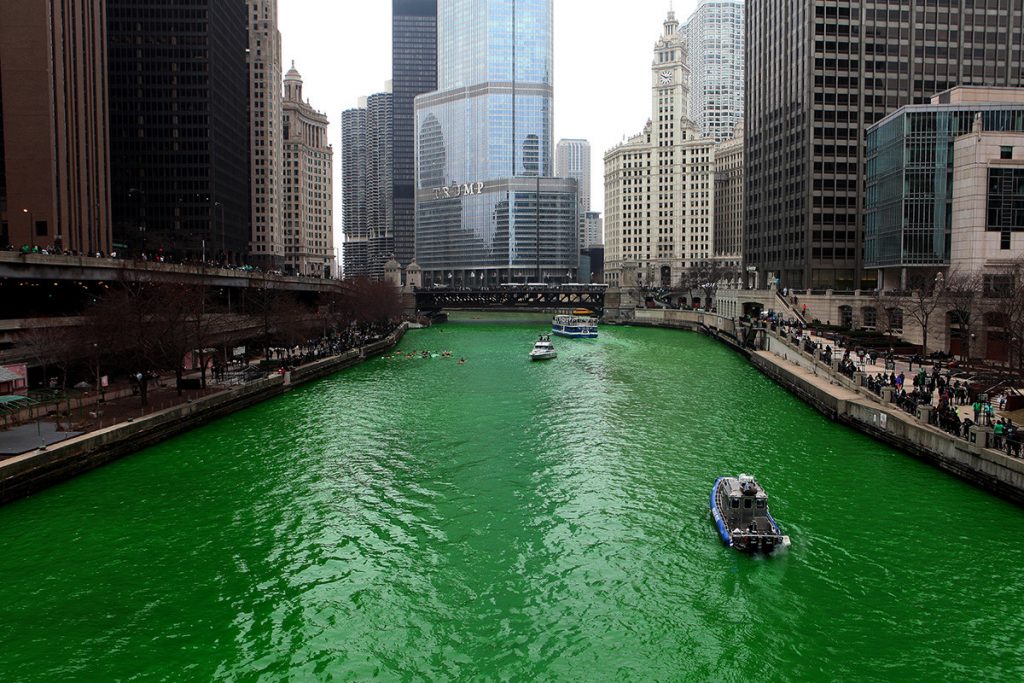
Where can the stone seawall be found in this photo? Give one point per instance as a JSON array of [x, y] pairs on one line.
[[26, 474], [841, 400]]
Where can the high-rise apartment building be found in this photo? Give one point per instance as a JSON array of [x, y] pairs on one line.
[[593, 230], [819, 73], [307, 205], [380, 164], [367, 154], [729, 201], [487, 210], [413, 72], [179, 128], [572, 160], [54, 171], [355, 251], [659, 185], [265, 144], [714, 35]]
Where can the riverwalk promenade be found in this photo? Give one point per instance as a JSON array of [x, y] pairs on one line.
[[847, 400], [37, 469]]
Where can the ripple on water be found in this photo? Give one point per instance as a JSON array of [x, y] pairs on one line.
[[506, 520]]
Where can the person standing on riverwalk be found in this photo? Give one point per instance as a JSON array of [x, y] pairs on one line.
[[998, 432], [977, 412], [990, 413]]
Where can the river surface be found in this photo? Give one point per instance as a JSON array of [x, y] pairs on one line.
[[416, 519]]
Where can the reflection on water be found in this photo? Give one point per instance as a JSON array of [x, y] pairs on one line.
[[414, 518]]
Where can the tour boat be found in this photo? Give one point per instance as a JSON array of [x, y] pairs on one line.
[[740, 509], [575, 326], [543, 349]]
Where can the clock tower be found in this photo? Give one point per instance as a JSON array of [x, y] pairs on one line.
[[670, 79]]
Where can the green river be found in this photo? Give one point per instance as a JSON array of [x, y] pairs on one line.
[[416, 519]]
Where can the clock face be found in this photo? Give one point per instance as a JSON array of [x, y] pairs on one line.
[[666, 78]]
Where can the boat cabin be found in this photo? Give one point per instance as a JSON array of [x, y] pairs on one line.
[[747, 502]]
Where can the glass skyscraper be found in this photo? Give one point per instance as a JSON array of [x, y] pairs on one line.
[[484, 151]]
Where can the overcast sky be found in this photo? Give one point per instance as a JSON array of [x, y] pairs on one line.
[[603, 53]]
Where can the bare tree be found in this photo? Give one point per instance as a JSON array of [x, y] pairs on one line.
[[922, 297], [705, 277], [123, 329], [961, 291], [54, 346]]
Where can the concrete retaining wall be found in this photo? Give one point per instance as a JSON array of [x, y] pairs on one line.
[[838, 398], [26, 474]]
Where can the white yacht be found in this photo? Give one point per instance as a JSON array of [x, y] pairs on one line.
[[543, 349]]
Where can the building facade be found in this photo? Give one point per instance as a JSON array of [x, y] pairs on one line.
[[819, 73], [659, 185], [484, 152], [367, 182], [307, 205], [593, 231], [413, 72], [572, 160], [355, 251], [714, 35], [910, 183], [265, 144], [54, 136], [729, 200], [988, 201], [380, 164], [179, 128]]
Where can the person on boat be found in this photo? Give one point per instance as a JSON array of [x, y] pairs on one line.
[[462, 361]]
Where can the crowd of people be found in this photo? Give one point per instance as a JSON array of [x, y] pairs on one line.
[[159, 256], [932, 387]]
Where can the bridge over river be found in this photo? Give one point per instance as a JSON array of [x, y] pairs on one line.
[[512, 297]]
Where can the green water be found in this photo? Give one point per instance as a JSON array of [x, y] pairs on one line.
[[419, 520]]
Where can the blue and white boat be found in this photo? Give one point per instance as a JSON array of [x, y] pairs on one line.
[[740, 509], [574, 326]]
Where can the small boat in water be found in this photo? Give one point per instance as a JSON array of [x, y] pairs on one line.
[[574, 326], [543, 349], [740, 508]]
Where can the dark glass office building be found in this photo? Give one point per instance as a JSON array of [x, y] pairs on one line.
[[413, 72], [179, 127], [819, 74]]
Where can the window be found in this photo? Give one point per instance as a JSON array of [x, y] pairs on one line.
[[1006, 152], [41, 230]]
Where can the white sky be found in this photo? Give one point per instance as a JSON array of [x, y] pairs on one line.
[[603, 54]]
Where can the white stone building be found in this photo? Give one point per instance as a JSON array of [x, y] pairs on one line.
[[659, 185], [593, 230], [307, 198], [266, 245], [988, 201], [729, 200]]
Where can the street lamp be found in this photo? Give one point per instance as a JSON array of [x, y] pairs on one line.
[[218, 205], [31, 227]]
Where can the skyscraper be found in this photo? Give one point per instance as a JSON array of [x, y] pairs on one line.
[[264, 53], [54, 173], [572, 160], [659, 184], [487, 210], [307, 204], [413, 72], [714, 34], [367, 159], [179, 127], [355, 251], [819, 73]]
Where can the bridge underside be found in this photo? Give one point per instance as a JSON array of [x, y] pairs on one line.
[[546, 299]]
